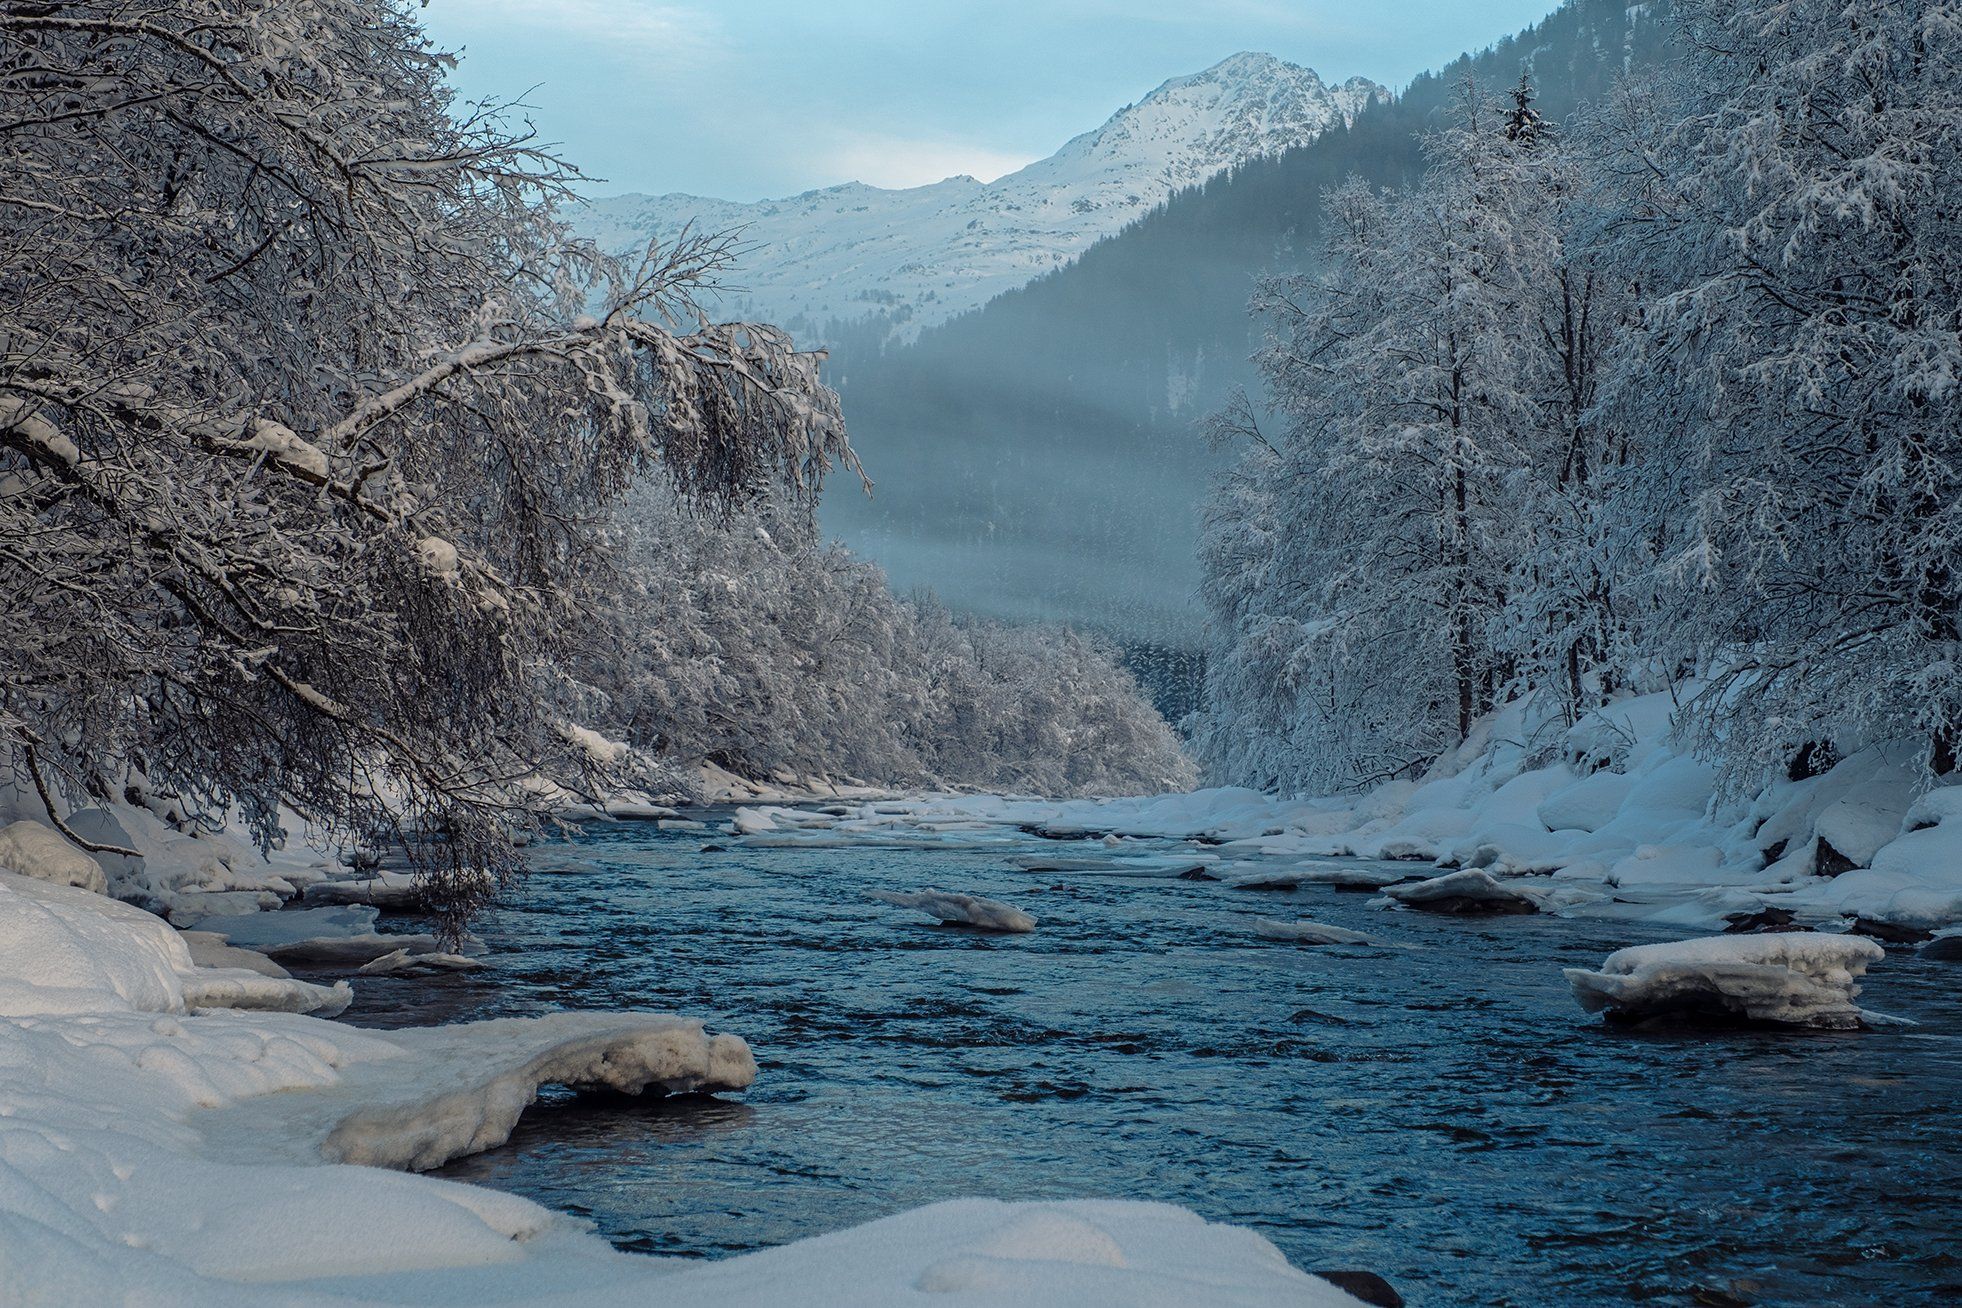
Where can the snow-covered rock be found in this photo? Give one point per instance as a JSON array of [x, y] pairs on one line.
[[964, 910], [1792, 978], [1305, 932], [1467, 892], [34, 849], [928, 253]]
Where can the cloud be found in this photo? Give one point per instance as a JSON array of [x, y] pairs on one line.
[[668, 35], [883, 160]]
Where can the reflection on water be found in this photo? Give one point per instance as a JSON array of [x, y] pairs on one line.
[[1443, 1114]]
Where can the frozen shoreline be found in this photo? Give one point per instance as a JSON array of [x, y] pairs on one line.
[[1612, 821]]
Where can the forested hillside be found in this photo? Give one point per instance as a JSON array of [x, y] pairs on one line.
[[1039, 457], [1662, 398]]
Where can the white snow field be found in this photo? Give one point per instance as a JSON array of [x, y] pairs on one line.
[[159, 1148], [963, 910], [1609, 818], [1799, 978]]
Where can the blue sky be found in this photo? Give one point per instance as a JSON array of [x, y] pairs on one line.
[[747, 99]]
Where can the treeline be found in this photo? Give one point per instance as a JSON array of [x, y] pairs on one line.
[[746, 640], [1666, 391]]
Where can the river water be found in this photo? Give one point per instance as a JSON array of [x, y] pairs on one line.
[[1440, 1113]]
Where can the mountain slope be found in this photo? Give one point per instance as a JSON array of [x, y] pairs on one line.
[[1038, 459], [916, 257]]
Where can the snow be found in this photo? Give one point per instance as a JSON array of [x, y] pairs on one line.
[[341, 935], [1306, 932], [596, 747], [64, 950], [414, 1099], [929, 253], [282, 443], [438, 557], [34, 849], [966, 910], [1793, 979]]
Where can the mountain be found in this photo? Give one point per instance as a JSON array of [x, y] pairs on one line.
[[1038, 459], [917, 257]]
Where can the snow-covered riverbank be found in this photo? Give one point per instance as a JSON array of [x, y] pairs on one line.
[[1617, 821]]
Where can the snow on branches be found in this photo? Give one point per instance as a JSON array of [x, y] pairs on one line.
[[275, 314]]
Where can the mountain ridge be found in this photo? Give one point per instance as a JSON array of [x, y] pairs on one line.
[[918, 256]]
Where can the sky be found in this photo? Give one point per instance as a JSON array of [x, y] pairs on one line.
[[758, 99]]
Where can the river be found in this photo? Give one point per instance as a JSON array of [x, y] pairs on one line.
[[1439, 1112]]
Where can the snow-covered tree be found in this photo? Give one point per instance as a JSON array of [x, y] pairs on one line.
[[1408, 372], [307, 404], [1791, 206]]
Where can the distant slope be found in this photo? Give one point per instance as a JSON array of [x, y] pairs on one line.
[[919, 256], [1037, 458]]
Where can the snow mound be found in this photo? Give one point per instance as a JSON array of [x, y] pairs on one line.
[[967, 910], [66, 950], [1032, 1255], [443, 1092], [1306, 932], [1468, 892], [1799, 978], [33, 849]]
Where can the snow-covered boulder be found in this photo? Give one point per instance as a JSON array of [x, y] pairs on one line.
[[1305, 932], [34, 849], [1468, 892], [962, 910], [1789, 979]]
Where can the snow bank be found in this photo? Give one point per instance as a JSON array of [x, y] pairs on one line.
[[33, 849], [417, 1098], [64, 950], [334, 937], [1611, 809], [965, 910], [1791, 979]]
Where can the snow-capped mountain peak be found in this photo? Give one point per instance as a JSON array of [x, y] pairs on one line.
[[923, 254]]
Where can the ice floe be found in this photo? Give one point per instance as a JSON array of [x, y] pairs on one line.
[[963, 910], [1305, 932]]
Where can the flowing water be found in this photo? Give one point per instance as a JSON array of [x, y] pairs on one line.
[[1441, 1113]]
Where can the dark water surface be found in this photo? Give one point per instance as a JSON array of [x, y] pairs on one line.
[[1442, 1114]]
